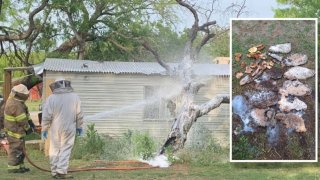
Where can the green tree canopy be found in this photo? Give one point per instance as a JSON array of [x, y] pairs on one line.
[[101, 29], [97, 30], [298, 8]]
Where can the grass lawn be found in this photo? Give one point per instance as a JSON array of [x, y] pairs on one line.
[[33, 105], [217, 170], [185, 171]]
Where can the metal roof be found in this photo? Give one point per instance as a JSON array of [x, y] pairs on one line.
[[115, 67], [38, 68]]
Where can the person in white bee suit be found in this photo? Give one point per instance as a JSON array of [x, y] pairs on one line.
[[63, 117]]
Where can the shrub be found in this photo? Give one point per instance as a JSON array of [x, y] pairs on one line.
[[119, 148], [212, 153], [170, 154], [201, 148], [130, 145], [90, 146], [143, 145]]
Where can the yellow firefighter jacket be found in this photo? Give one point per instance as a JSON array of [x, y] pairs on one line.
[[16, 116]]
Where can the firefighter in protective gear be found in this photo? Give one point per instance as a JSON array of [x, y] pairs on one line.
[[62, 117], [17, 124]]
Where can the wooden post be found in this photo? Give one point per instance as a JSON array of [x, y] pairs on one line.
[[47, 145], [7, 84]]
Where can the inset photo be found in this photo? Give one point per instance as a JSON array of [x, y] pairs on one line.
[[274, 93]]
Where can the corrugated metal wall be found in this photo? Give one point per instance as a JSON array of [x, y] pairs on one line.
[[124, 93]]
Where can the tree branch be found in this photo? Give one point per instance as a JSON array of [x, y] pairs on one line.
[[16, 51], [194, 87], [6, 29], [0, 6], [210, 11], [241, 8], [204, 41], [78, 35], [84, 10], [212, 104], [155, 53], [146, 46], [80, 38], [206, 25], [207, 37], [67, 46], [191, 9], [72, 26], [26, 34], [195, 27], [3, 52], [34, 36], [96, 14], [118, 45]]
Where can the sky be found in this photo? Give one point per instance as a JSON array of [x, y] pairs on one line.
[[261, 8], [253, 9]]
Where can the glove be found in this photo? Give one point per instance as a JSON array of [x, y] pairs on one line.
[[31, 124], [44, 135], [31, 127], [79, 131], [29, 131]]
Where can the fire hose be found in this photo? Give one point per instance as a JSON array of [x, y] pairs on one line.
[[117, 168]]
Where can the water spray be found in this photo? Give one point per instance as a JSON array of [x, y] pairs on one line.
[[162, 93]]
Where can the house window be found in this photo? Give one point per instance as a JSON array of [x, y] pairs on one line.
[[151, 109]]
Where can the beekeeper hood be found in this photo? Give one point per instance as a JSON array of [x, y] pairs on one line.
[[20, 92], [61, 85]]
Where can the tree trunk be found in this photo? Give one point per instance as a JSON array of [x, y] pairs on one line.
[[81, 51], [189, 112], [67, 46], [187, 115]]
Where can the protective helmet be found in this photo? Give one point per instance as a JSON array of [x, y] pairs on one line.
[[20, 89], [20, 92]]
